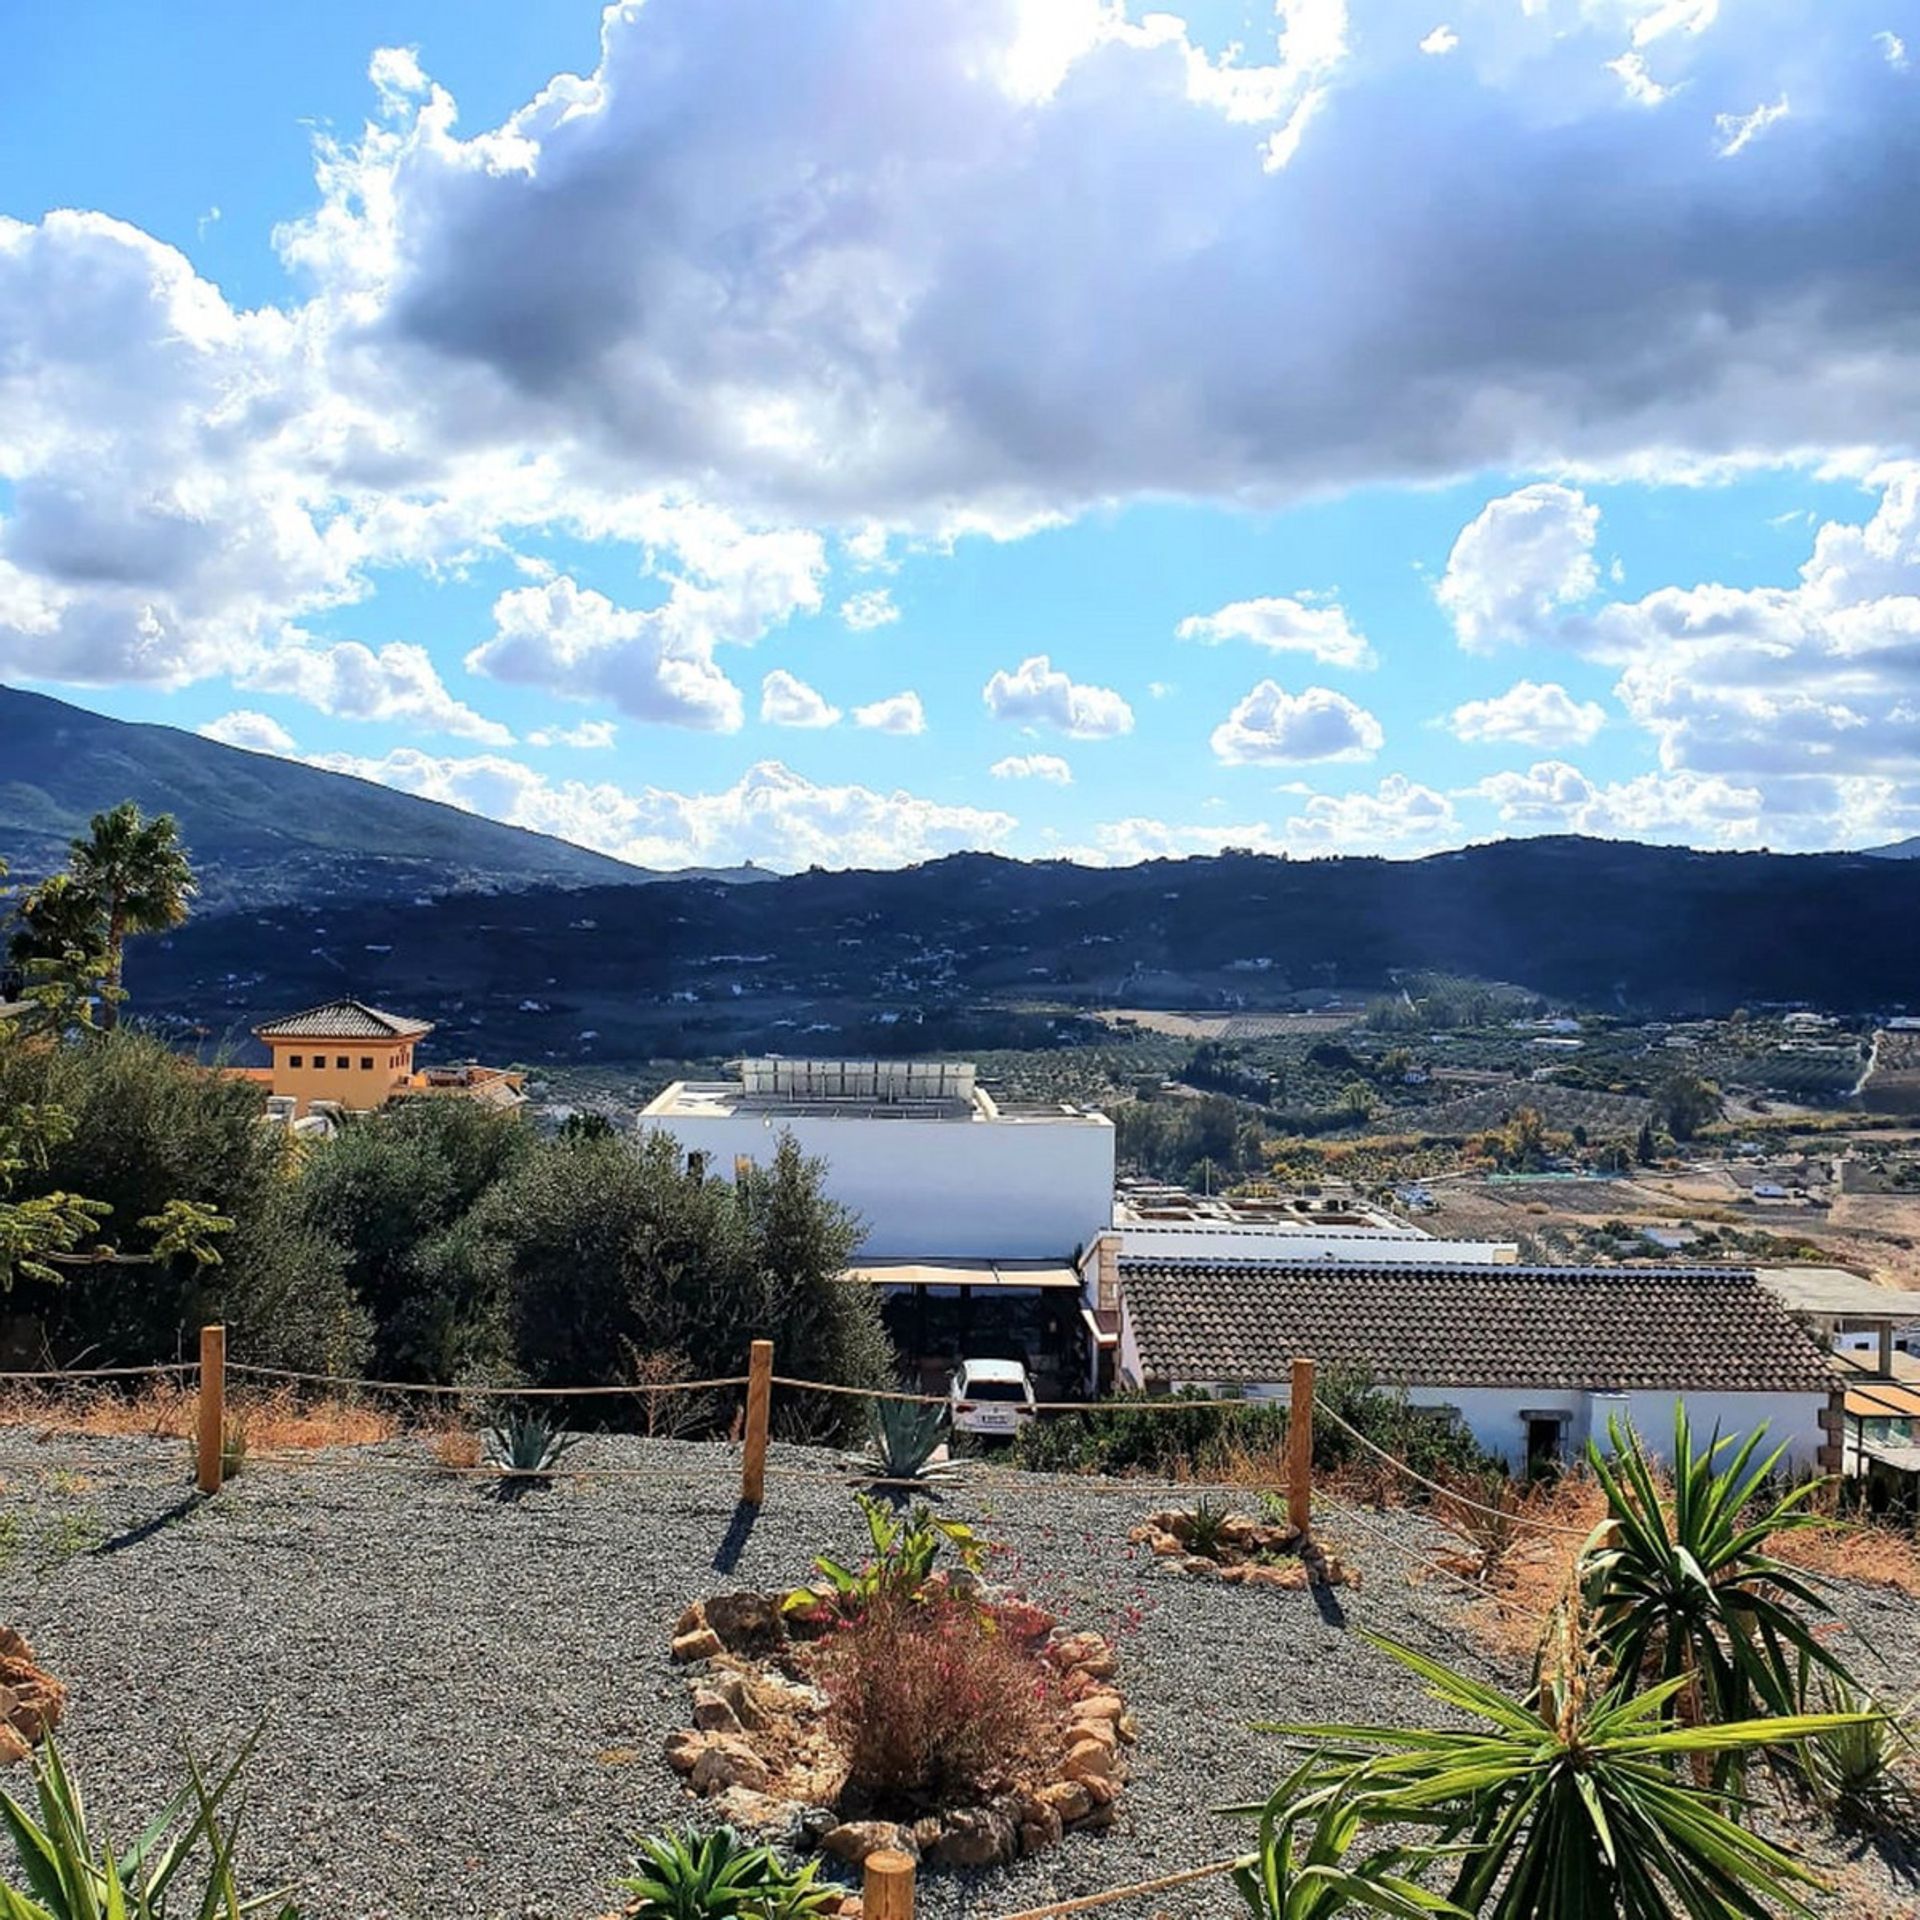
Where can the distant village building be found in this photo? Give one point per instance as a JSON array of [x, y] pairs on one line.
[[351, 1057]]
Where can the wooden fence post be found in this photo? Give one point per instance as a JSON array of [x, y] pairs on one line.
[[212, 1433], [1300, 1449], [753, 1465], [886, 1885]]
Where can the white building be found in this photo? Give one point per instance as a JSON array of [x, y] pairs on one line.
[[936, 1168], [1167, 1223], [1534, 1360]]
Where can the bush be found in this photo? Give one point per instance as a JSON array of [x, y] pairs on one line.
[[929, 1695], [1201, 1436]]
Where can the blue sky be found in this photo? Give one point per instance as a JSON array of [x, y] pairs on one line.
[[1341, 427]]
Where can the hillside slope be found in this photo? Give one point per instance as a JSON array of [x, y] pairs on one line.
[[260, 829]]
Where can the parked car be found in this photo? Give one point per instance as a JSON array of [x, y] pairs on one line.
[[992, 1397]]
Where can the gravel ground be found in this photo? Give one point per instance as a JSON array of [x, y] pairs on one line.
[[464, 1700]]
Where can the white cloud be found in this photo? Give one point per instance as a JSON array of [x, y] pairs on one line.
[[1036, 694], [871, 608], [1893, 48], [1662, 17], [1738, 131], [1272, 725], [897, 713], [1641, 86], [1555, 797], [398, 686], [1125, 843], [1530, 713], [770, 815], [570, 640], [1400, 814], [1284, 625], [787, 702], [244, 727], [1519, 560], [1442, 39], [589, 736], [1033, 766]]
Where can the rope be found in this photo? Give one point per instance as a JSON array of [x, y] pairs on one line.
[[1351, 1516], [1448, 1493], [485, 1393], [1165, 1884], [105, 1373], [1168, 1405]]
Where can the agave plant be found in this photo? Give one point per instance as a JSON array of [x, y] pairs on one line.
[[902, 1438], [526, 1446], [1207, 1526], [1567, 1805], [718, 1876], [1854, 1771], [904, 1554], [73, 1874], [1303, 1869], [1684, 1589]]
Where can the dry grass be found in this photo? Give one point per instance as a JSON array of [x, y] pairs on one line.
[[454, 1445], [272, 1420]]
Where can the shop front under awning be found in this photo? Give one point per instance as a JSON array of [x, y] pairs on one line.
[[972, 1274]]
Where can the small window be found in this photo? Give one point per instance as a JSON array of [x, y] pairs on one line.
[[293, 1059], [341, 1060], [366, 1063]]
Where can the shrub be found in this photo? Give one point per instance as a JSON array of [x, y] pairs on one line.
[[904, 1554], [1193, 1432], [719, 1876], [929, 1695], [528, 1445]]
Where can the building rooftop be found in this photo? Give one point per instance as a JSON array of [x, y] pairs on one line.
[[854, 1090], [344, 1020], [1837, 1294], [1604, 1328]]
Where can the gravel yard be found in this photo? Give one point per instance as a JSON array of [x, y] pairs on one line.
[[464, 1699]]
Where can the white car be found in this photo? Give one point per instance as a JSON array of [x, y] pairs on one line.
[[993, 1397]]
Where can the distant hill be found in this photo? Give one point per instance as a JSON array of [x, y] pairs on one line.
[[958, 954], [1898, 850], [259, 829]]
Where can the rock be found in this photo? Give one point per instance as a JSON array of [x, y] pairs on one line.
[[746, 1622], [1022, 1620], [742, 1807], [1201, 1567], [1291, 1575], [1069, 1799], [691, 1621], [701, 1644], [1236, 1575], [1099, 1706], [1097, 1818], [1089, 1760], [853, 1840], [729, 1762], [1103, 1793], [1101, 1732], [713, 1713], [34, 1699], [684, 1749], [1239, 1530], [926, 1830], [975, 1837], [1041, 1828], [1128, 1728]]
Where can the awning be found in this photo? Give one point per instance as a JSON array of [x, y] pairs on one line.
[[976, 1274]]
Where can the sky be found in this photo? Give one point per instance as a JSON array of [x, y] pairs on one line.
[[845, 433]]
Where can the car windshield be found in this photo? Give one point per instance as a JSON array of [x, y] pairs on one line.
[[995, 1390]]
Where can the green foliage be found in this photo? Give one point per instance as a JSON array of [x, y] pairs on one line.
[[185, 1861], [906, 1551], [902, 1438], [1569, 1805], [528, 1444], [684, 1875], [1684, 1591], [1206, 1526], [1855, 1770], [1685, 1103], [1200, 1434], [1304, 1866]]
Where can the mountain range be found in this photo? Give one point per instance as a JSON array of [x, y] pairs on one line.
[[526, 947]]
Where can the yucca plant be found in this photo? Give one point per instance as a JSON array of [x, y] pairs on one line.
[[70, 1873], [1683, 1589], [1570, 1804], [902, 1438], [683, 1875], [527, 1446], [1305, 1867]]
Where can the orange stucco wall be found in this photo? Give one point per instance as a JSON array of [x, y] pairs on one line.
[[372, 1071]]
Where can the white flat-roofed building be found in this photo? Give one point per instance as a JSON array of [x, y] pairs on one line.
[[1158, 1222], [935, 1166]]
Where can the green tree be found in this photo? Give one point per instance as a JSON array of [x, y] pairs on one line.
[[136, 872], [1685, 1103]]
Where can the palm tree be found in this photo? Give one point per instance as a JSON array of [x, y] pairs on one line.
[[137, 871]]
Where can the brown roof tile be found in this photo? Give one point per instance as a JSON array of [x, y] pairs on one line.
[[344, 1020], [1597, 1328]]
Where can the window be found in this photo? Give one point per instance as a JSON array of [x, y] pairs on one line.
[[341, 1060], [366, 1063], [293, 1059]]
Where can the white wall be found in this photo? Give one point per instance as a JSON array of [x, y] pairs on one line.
[[1007, 1189], [1158, 1240]]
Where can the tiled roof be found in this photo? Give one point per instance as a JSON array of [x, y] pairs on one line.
[[1597, 1328], [344, 1020]]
